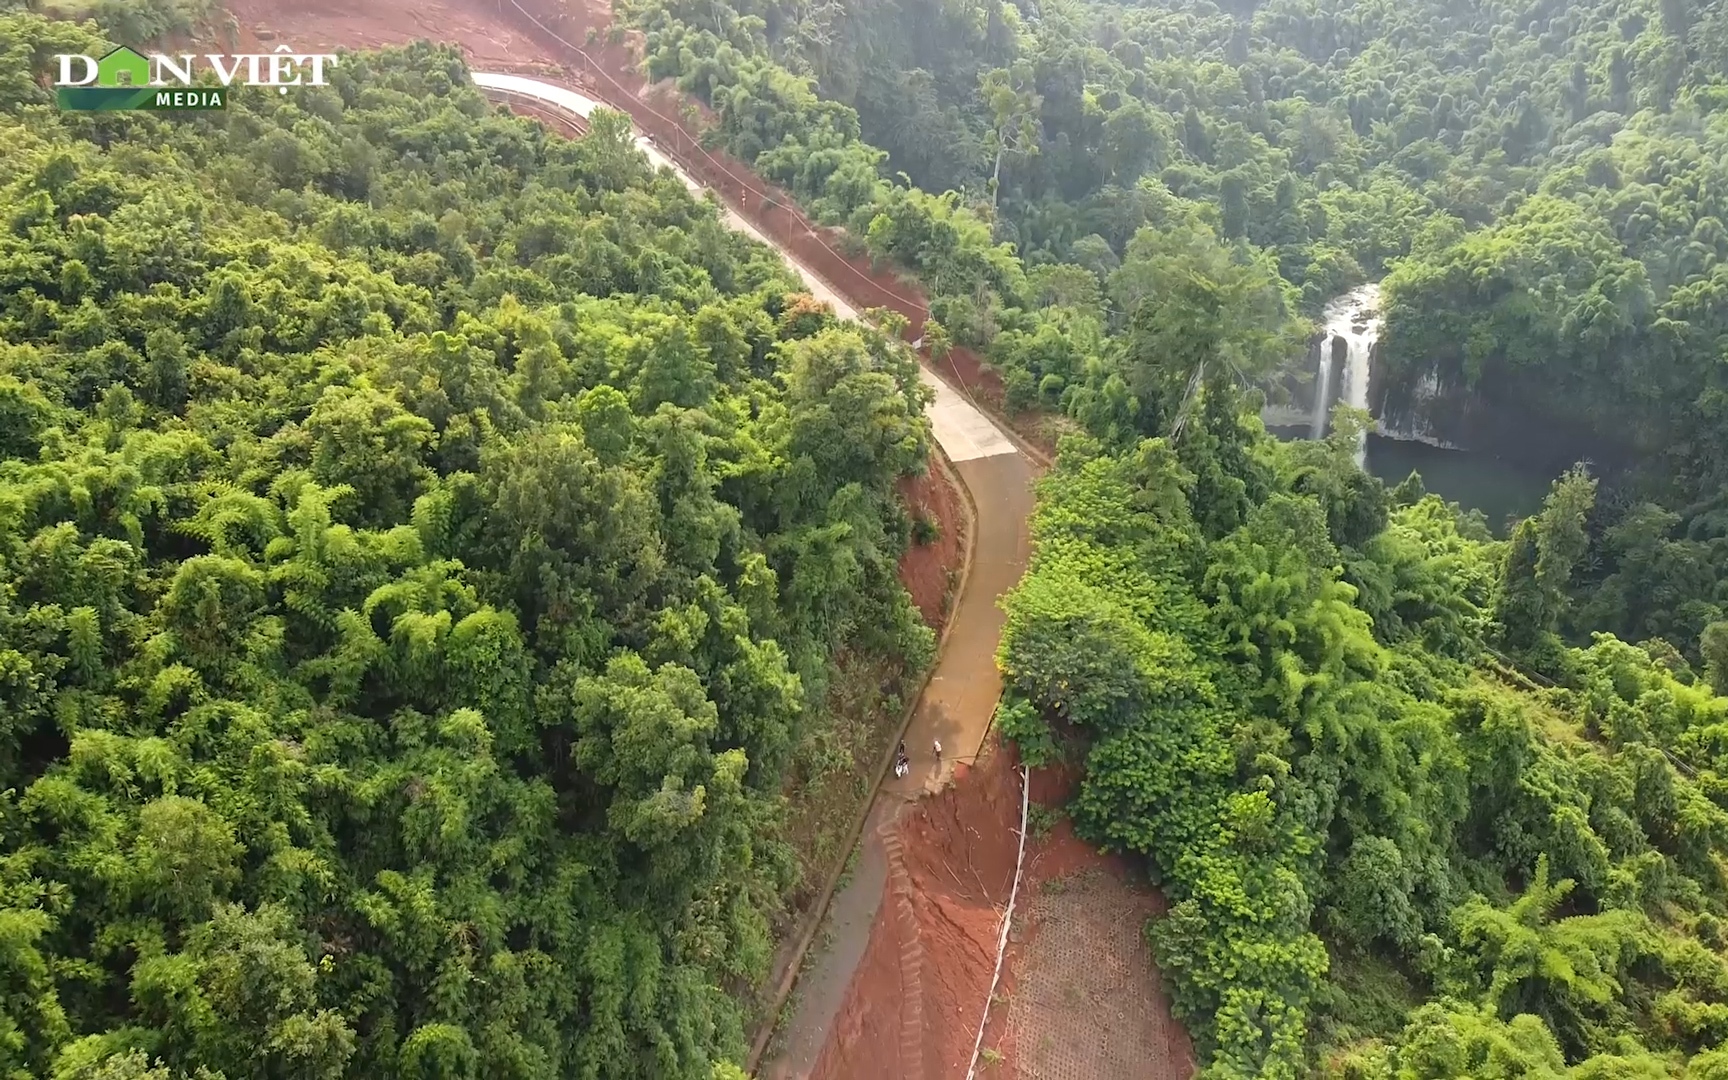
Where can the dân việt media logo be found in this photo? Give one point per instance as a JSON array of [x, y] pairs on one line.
[[125, 78]]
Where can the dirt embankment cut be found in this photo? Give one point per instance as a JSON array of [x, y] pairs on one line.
[[913, 1006], [931, 567], [489, 41], [1079, 997]]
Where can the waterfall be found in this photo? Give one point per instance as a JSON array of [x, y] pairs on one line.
[[1322, 391], [1352, 324]]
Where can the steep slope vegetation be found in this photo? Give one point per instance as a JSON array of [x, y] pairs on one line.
[[424, 547], [1385, 861]]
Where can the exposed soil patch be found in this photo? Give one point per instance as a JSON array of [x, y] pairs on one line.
[[913, 1007], [477, 26], [1079, 997], [931, 569]]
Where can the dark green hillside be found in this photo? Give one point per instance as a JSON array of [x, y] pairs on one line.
[[422, 552]]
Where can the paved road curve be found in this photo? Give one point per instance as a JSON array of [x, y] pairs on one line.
[[965, 433], [957, 704]]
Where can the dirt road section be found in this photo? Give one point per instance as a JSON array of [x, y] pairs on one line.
[[956, 707]]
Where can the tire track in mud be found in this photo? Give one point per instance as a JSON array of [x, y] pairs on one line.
[[911, 958]]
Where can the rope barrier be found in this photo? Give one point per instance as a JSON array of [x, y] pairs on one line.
[[719, 165], [1007, 920]]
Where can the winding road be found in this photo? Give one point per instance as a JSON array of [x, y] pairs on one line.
[[960, 697]]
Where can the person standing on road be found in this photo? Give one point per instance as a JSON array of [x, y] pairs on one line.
[[937, 744]]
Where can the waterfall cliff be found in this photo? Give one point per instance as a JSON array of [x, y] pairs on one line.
[[1340, 367], [1483, 445], [1351, 327]]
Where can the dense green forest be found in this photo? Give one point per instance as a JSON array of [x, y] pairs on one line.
[[425, 543], [1390, 855], [1541, 187], [1422, 807], [424, 547]]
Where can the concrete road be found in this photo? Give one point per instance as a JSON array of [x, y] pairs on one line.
[[957, 705], [964, 432]]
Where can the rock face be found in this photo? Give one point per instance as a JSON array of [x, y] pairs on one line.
[[1508, 414]]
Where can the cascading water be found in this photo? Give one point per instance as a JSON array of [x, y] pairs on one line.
[[1322, 391], [1352, 324]]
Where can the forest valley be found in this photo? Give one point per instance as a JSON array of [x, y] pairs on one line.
[[1421, 808], [424, 542]]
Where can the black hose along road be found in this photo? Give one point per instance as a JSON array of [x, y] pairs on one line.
[[960, 697]]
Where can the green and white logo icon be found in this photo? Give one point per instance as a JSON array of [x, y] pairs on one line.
[[123, 67]]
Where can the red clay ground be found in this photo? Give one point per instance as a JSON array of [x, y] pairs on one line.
[[490, 42], [1079, 997], [914, 1003], [931, 571]]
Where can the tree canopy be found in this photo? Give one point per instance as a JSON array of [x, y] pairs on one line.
[[1390, 853], [1539, 186], [424, 547], [1421, 809], [425, 544]]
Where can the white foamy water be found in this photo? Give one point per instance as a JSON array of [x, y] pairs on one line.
[[1353, 318]]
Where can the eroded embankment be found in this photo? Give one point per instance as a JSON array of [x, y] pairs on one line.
[[912, 1009]]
